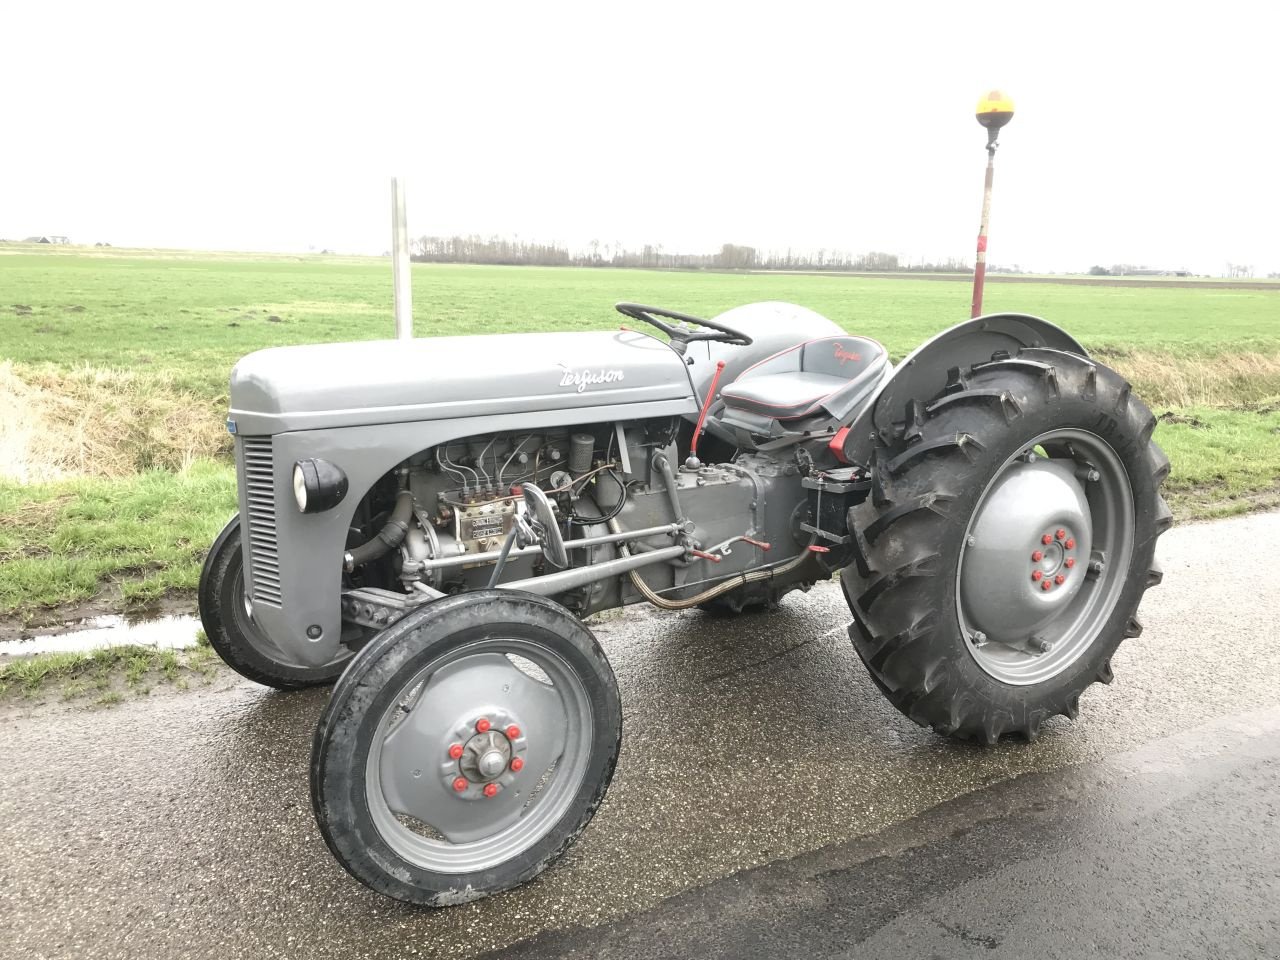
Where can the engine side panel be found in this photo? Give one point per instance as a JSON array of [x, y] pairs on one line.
[[308, 547]]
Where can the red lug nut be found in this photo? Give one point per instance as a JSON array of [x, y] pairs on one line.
[[517, 764], [1047, 539], [512, 732], [459, 784], [482, 725], [1069, 562], [1060, 579], [1037, 556], [490, 789], [1046, 585], [455, 751], [1071, 543], [1061, 534], [1036, 574]]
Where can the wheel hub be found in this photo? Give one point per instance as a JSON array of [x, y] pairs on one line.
[[483, 754], [1026, 552]]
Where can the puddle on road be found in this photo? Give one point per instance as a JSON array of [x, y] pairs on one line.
[[168, 632]]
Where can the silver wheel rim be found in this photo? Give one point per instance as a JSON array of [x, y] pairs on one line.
[[1044, 557], [472, 697]]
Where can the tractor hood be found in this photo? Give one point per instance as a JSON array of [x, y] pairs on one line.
[[397, 381]]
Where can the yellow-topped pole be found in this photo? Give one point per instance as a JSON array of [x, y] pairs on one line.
[[994, 111]]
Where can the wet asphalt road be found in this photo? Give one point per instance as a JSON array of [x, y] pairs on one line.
[[180, 826], [1169, 850]]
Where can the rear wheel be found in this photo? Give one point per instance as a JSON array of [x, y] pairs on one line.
[[224, 614], [466, 748], [1008, 540]]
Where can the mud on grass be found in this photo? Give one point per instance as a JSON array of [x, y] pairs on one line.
[[106, 676]]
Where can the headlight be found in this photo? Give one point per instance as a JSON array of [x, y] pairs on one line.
[[318, 485], [300, 487]]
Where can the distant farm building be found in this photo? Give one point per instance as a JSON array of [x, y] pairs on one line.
[[48, 238]]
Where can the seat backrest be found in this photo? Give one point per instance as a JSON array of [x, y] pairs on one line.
[[845, 357]]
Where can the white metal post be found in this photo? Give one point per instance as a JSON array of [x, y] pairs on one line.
[[400, 262]]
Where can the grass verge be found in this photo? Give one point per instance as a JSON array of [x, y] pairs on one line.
[[134, 538], [1224, 462], [106, 676], [95, 421]]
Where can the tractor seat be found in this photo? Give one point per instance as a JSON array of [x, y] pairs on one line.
[[832, 374]]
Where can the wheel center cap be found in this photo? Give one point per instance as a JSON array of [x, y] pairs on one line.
[[485, 756], [492, 763], [1052, 558], [1020, 566]]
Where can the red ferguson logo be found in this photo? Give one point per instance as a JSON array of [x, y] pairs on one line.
[[844, 356]]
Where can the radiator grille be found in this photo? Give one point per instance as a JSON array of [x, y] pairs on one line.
[[260, 501]]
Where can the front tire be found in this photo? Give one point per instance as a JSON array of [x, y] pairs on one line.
[[964, 626], [467, 746], [233, 634]]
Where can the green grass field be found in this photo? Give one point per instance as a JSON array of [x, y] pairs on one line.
[[113, 372]]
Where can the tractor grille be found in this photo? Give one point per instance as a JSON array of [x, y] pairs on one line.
[[260, 501]]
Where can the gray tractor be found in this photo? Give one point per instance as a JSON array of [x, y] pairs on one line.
[[430, 522]]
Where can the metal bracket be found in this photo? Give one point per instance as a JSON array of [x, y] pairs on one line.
[[378, 608]]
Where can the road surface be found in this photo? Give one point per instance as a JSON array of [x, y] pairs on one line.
[[765, 790]]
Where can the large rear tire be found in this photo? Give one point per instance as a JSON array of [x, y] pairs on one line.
[[1008, 540], [233, 634]]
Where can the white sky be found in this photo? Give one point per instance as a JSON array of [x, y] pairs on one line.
[[1145, 133]]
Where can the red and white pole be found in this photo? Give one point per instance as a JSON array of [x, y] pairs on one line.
[[994, 111]]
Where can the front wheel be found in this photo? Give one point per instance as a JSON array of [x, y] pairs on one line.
[[224, 614], [466, 747], [1008, 541]]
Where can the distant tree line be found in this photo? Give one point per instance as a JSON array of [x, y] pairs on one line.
[[1133, 270], [731, 256]]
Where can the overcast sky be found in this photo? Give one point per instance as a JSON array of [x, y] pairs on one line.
[[1145, 133]]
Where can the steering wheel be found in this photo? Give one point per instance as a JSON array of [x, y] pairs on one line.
[[681, 335]]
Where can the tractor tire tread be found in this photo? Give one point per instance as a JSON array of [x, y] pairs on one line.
[[899, 629]]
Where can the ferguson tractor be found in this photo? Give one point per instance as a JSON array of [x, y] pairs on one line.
[[430, 522]]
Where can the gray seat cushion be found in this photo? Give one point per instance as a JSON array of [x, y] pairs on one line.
[[831, 374], [782, 395]]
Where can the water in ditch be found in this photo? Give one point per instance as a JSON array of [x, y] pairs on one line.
[[167, 632]]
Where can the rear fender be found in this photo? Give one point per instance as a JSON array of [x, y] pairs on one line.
[[923, 374]]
